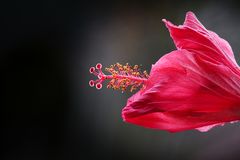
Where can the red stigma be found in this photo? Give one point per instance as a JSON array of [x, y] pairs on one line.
[[91, 83], [92, 69], [99, 85], [121, 76], [99, 66]]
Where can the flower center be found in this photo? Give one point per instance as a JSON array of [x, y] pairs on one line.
[[121, 77]]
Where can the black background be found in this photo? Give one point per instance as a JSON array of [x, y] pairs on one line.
[[48, 110]]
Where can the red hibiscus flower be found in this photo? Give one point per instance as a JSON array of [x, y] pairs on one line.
[[196, 86]]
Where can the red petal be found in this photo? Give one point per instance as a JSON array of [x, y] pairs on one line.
[[207, 128], [193, 36], [185, 91], [195, 87]]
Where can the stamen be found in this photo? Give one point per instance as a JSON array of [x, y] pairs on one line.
[[121, 77]]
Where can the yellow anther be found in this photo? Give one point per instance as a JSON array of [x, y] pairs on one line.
[[124, 76]]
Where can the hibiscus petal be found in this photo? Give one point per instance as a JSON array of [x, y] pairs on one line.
[[207, 128], [195, 87], [185, 91], [191, 21], [192, 35]]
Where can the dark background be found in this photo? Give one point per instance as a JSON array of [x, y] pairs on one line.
[[48, 111]]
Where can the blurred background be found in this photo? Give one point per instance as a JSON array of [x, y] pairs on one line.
[[48, 111]]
